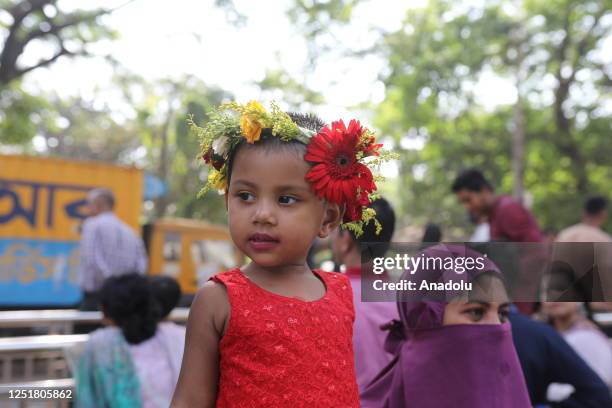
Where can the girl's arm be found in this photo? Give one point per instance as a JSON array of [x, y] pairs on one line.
[[198, 380]]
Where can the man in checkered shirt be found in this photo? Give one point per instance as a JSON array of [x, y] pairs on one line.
[[109, 247]]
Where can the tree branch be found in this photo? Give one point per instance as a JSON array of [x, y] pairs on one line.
[[16, 40], [581, 48], [71, 20], [13, 47], [63, 51], [20, 10]]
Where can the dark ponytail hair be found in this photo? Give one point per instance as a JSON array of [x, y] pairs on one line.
[[128, 300], [167, 293]]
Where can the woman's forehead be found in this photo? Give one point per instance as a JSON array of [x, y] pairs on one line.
[[488, 288]]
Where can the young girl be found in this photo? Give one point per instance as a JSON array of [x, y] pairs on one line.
[[456, 348], [275, 333], [134, 361]]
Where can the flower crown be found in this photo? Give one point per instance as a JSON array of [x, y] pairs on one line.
[[340, 172]]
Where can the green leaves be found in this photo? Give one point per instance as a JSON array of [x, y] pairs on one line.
[[439, 55], [20, 115]]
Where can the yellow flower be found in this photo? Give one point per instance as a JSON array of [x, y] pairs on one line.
[[217, 180], [250, 122]]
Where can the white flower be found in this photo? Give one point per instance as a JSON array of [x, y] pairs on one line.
[[220, 146]]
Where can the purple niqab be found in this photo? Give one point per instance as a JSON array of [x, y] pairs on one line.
[[464, 365]]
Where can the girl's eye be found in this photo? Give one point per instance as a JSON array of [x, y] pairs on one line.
[[287, 200], [503, 315], [244, 196]]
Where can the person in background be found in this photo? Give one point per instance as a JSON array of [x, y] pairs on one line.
[[570, 319], [509, 220], [133, 362], [482, 229], [167, 292], [455, 347], [546, 359], [589, 229], [368, 338], [432, 233], [108, 247]]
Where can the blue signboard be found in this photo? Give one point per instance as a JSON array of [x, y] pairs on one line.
[[39, 272]]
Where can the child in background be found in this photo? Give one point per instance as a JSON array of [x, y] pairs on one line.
[[275, 333], [134, 361], [347, 250], [457, 348], [570, 319], [168, 294]]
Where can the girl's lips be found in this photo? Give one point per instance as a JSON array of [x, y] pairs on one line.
[[262, 245], [262, 242]]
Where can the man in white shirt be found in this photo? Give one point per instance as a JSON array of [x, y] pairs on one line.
[[109, 247]]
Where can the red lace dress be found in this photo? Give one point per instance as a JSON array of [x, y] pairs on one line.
[[285, 352]]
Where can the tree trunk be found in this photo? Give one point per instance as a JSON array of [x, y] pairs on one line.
[[518, 149], [518, 118]]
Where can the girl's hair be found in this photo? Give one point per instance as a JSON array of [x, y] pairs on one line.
[[128, 300], [270, 142], [167, 293], [432, 233]]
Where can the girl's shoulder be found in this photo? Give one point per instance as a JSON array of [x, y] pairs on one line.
[[334, 279], [210, 307], [229, 277], [339, 284]]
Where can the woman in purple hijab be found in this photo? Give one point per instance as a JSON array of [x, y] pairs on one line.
[[453, 346]]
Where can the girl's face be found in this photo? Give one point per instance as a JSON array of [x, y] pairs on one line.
[[487, 303], [273, 213]]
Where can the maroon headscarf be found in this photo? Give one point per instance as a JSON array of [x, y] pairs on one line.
[[463, 365]]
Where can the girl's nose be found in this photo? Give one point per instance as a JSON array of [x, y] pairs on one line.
[[264, 213]]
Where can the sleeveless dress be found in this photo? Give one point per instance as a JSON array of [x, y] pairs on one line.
[[285, 352]]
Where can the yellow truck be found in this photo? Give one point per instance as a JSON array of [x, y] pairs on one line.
[[42, 205]]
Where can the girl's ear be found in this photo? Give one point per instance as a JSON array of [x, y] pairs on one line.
[[331, 219]]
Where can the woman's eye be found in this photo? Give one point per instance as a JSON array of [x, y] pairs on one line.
[[475, 314], [503, 315], [244, 196], [287, 200]]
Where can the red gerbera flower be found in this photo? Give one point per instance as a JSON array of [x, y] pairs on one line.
[[337, 175]]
